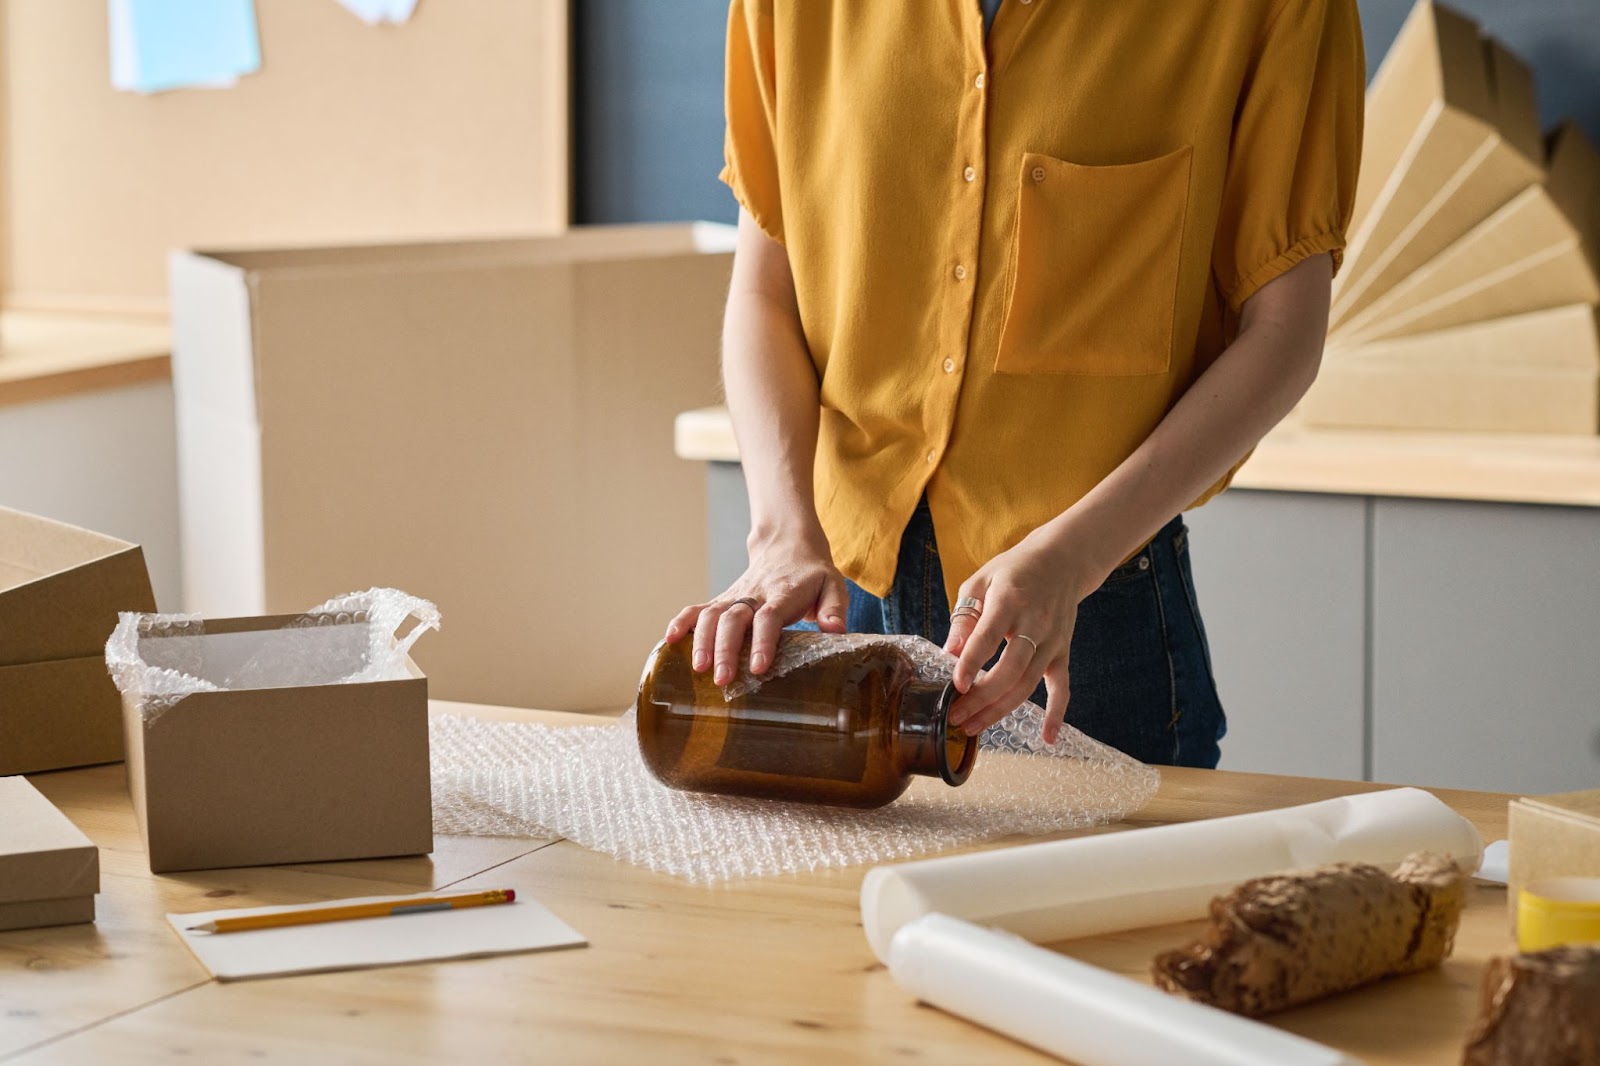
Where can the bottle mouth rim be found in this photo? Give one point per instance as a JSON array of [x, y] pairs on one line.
[[957, 774]]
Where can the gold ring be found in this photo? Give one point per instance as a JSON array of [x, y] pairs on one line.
[[748, 601], [964, 612], [1030, 640]]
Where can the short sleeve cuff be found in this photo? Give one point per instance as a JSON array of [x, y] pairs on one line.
[[769, 221], [1330, 241]]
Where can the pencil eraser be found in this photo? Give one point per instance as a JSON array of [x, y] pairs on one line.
[[511, 895]]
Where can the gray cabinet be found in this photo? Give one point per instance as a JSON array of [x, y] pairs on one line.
[[1486, 645], [1281, 580]]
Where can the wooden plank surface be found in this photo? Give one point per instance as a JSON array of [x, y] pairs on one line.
[[45, 355], [1492, 467], [775, 970]]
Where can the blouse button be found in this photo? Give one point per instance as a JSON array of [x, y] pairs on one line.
[[949, 366], [961, 272], [971, 174], [1038, 173], [978, 81]]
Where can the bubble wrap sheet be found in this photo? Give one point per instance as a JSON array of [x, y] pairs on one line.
[[590, 785], [161, 658]]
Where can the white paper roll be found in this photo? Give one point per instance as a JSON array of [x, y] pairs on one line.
[[1076, 1011], [1111, 881]]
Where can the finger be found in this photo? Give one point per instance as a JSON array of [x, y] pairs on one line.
[[980, 647], [1001, 678], [1057, 683], [962, 625], [1002, 705], [683, 622], [769, 622], [705, 635], [832, 604], [730, 640]]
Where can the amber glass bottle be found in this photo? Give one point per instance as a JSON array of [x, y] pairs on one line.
[[849, 729]]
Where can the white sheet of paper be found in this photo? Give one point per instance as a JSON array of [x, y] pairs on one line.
[[1496, 862], [432, 936], [1075, 1011]]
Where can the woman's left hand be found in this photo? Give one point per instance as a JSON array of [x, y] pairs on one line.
[[1029, 599]]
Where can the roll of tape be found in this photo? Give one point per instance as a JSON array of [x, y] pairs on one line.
[[1558, 910]]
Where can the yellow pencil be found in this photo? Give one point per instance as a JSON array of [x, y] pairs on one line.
[[356, 910]]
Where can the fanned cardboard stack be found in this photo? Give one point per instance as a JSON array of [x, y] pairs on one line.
[[1467, 298]]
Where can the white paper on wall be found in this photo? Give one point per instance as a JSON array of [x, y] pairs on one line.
[[158, 45]]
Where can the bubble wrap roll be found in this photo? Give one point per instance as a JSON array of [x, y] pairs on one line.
[[1075, 1011], [1099, 884]]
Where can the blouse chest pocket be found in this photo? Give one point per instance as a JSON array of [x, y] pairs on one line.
[[1094, 267]]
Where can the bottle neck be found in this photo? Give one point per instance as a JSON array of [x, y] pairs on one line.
[[928, 746]]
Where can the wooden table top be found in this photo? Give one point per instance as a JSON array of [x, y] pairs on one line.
[[48, 354], [775, 970], [1488, 467]]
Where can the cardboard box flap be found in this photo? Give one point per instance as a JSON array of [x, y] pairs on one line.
[[1516, 106], [579, 244], [42, 854], [1583, 806], [1552, 339], [1574, 184], [61, 588]]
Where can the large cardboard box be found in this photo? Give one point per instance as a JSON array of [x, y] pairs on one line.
[[1552, 836], [1452, 134], [1542, 249], [60, 590], [49, 871], [302, 773], [486, 424], [1533, 373]]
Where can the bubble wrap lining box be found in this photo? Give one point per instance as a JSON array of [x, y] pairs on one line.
[[160, 658], [590, 785]]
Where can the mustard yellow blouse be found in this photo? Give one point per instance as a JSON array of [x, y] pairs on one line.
[[1012, 255]]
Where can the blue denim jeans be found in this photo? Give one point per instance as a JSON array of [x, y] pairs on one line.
[[1141, 669]]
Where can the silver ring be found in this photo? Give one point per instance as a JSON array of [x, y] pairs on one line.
[[748, 601], [969, 602], [964, 612], [1030, 640]]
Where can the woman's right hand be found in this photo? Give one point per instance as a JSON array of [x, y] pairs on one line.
[[786, 582]]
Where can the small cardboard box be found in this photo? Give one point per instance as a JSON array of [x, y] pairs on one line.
[[259, 776], [1552, 836], [492, 421], [60, 590], [49, 871]]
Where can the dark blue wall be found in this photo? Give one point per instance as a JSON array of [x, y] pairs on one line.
[[647, 132]]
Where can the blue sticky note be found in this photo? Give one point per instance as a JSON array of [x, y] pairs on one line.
[[175, 44]]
